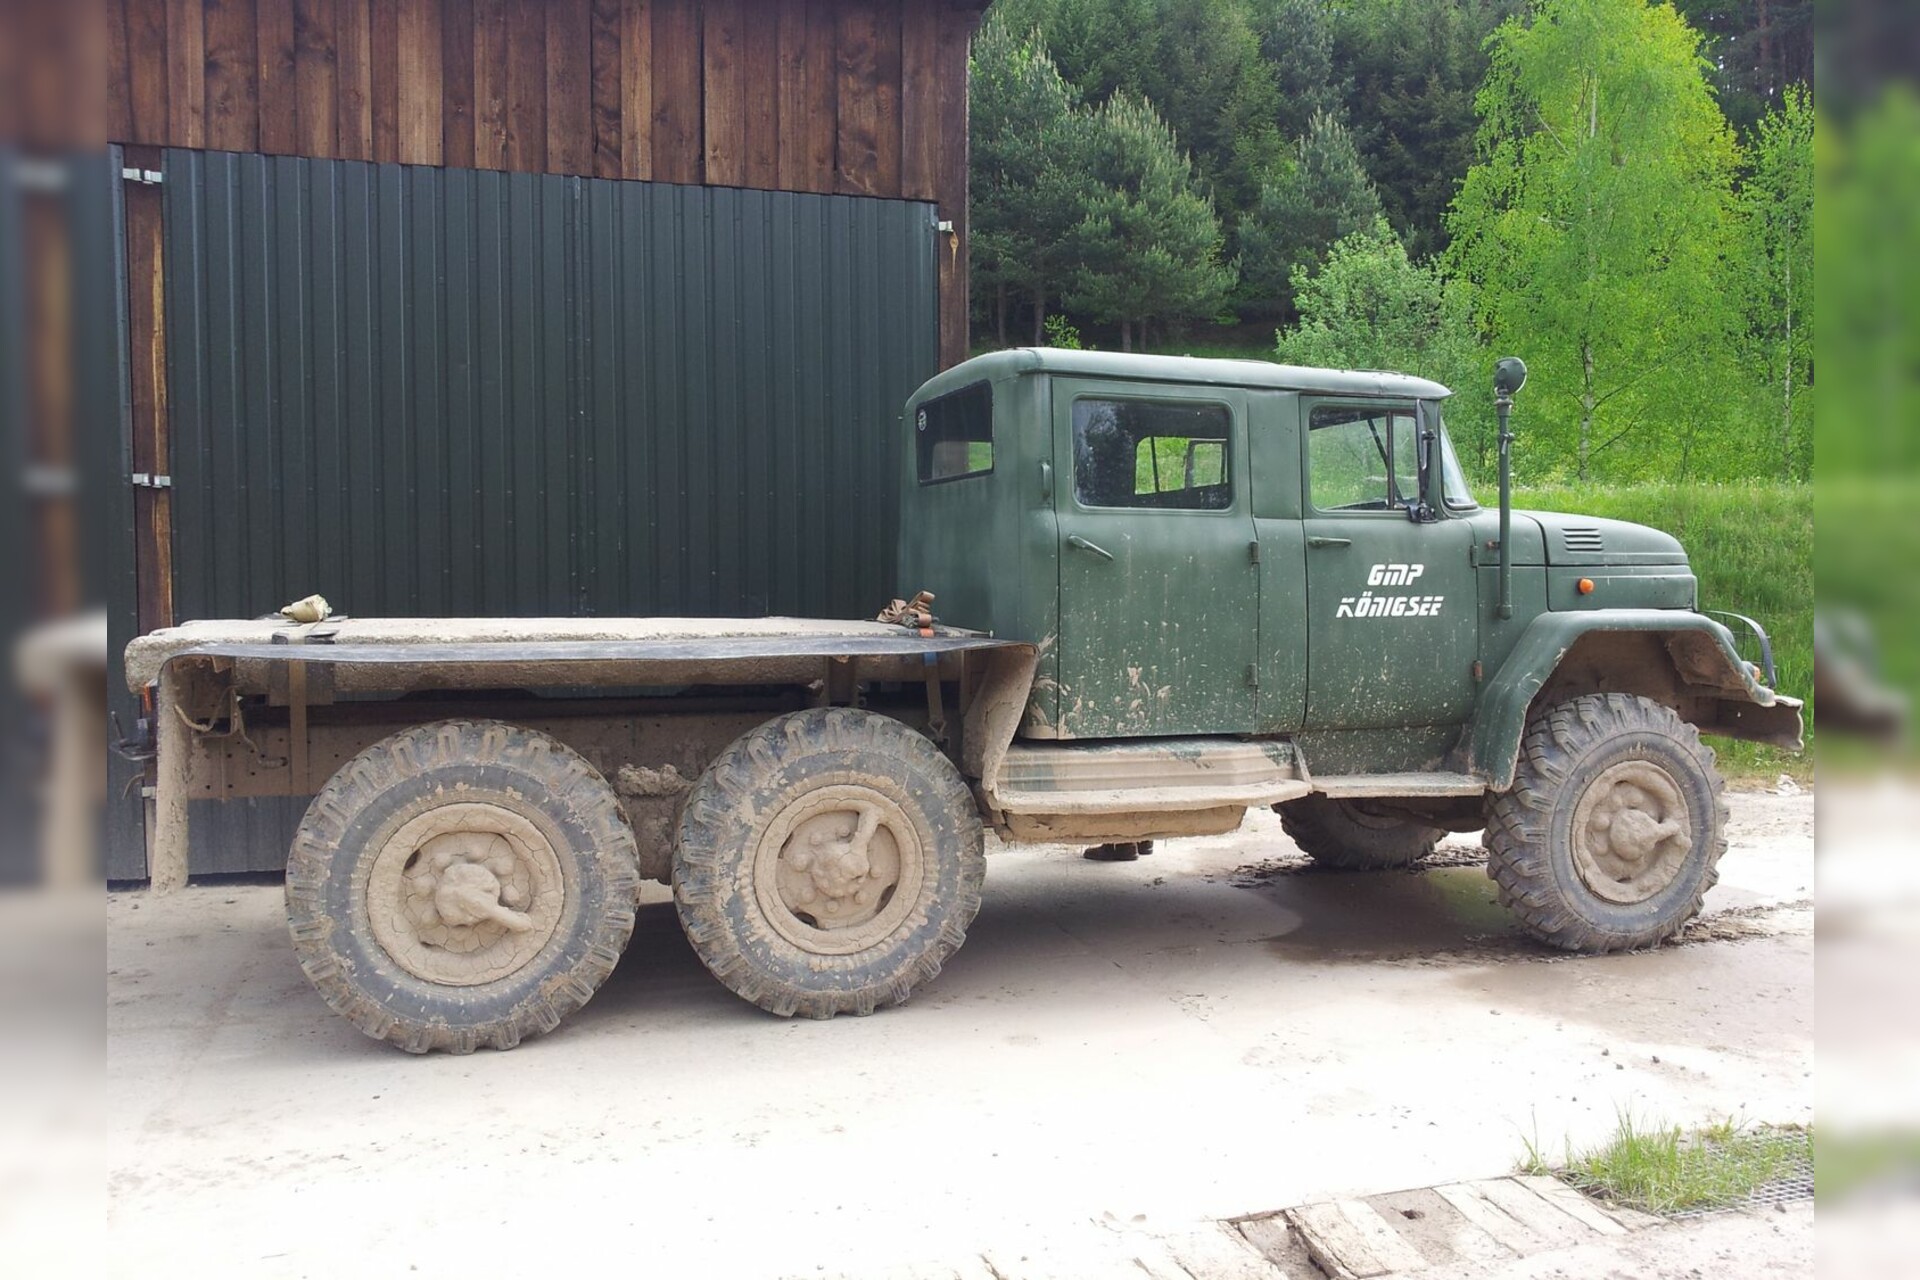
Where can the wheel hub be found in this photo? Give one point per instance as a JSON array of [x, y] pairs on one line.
[[1631, 832], [838, 869], [465, 893]]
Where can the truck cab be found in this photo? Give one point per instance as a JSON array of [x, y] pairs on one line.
[[1223, 547]]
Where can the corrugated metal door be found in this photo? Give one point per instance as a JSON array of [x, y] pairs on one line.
[[442, 392]]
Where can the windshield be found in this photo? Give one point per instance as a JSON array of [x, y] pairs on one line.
[[1453, 479]]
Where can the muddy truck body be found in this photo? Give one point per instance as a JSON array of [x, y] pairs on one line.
[[1167, 591]]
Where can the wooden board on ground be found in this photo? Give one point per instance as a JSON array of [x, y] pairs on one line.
[[1491, 1218], [1349, 1240], [1569, 1201], [1220, 1254], [1542, 1217]]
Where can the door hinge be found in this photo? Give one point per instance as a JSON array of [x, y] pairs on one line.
[[145, 177], [1253, 675], [141, 480], [1253, 551]]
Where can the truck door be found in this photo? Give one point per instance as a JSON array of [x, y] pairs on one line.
[[1391, 608], [1159, 593]]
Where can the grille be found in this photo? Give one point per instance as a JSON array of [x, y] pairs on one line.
[[1582, 540], [1792, 1185]]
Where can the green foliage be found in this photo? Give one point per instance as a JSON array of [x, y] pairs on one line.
[[1197, 61], [1868, 172], [1149, 245], [1322, 196], [1776, 225], [1297, 41], [1564, 166], [1593, 231], [1370, 307], [1751, 546], [1030, 174], [1412, 69], [1060, 332]]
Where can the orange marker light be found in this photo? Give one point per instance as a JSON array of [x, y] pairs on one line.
[[1586, 586]]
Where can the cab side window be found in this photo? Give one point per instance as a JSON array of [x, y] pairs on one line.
[[953, 435], [1149, 453], [1362, 459]]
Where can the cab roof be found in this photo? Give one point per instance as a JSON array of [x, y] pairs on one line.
[[1191, 370]]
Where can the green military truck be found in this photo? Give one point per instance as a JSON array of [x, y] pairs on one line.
[[1187, 587]]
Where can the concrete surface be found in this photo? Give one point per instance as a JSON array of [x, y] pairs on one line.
[[1120, 1048]]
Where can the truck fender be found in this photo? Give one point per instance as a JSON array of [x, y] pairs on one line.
[[1681, 659]]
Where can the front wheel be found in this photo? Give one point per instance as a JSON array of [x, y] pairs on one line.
[[829, 861], [1613, 830]]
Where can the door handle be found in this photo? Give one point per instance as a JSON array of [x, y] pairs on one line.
[[1079, 543], [1320, 541]]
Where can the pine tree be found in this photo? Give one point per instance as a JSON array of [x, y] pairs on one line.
[[1149, 246], [1030, 178], [1412, 70], [1322, 196], [1197, 61]]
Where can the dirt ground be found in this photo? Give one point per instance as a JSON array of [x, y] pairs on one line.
[[1144, 1047]]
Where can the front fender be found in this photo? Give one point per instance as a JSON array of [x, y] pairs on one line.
[[1710, 683]]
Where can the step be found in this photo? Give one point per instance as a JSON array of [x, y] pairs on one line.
[[1362, 786], [1146, 775]]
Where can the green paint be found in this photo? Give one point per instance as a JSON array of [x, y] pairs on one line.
[[1242, 548]]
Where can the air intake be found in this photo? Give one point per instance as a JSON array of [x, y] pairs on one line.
[[1582, 540]]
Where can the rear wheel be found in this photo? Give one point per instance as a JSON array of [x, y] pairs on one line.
[[461, 884], [1613, 831], [829, 862], [1348, 836]]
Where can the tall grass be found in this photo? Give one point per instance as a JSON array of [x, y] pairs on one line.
[[1751, 545], [1658, 1168]]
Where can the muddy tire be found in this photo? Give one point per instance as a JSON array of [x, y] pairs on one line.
[[1346, 836], [461, 884], [1613, 831], [829, 862]]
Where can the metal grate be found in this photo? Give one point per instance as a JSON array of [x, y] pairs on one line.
[[1793, 1185]]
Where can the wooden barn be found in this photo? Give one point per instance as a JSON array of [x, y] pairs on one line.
[[452, 307]]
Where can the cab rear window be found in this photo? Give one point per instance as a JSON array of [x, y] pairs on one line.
[[953, 435]]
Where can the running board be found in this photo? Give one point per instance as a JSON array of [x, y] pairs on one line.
[[1160, 775], [1368, 786]]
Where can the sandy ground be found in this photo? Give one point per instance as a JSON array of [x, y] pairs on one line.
[[1141, 1047]]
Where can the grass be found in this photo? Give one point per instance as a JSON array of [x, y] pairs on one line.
[[1751, 545], [1665, 1170]]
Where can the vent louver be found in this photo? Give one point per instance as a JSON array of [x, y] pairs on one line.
[[1583, 540]]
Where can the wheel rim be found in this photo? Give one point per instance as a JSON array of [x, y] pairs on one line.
[[1632, 832], [465, 894], [839, 870]]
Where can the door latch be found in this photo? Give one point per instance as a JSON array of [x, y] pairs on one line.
[[1079, 543], [142, 480]]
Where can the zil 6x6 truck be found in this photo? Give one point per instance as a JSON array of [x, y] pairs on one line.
[[1180, 589]]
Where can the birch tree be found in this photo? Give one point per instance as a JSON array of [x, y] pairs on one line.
[[1776, 213], [1593, 229]]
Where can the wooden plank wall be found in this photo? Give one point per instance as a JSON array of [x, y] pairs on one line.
[[856, 97]]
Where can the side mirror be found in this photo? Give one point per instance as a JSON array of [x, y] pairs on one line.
[[1509, 375]]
